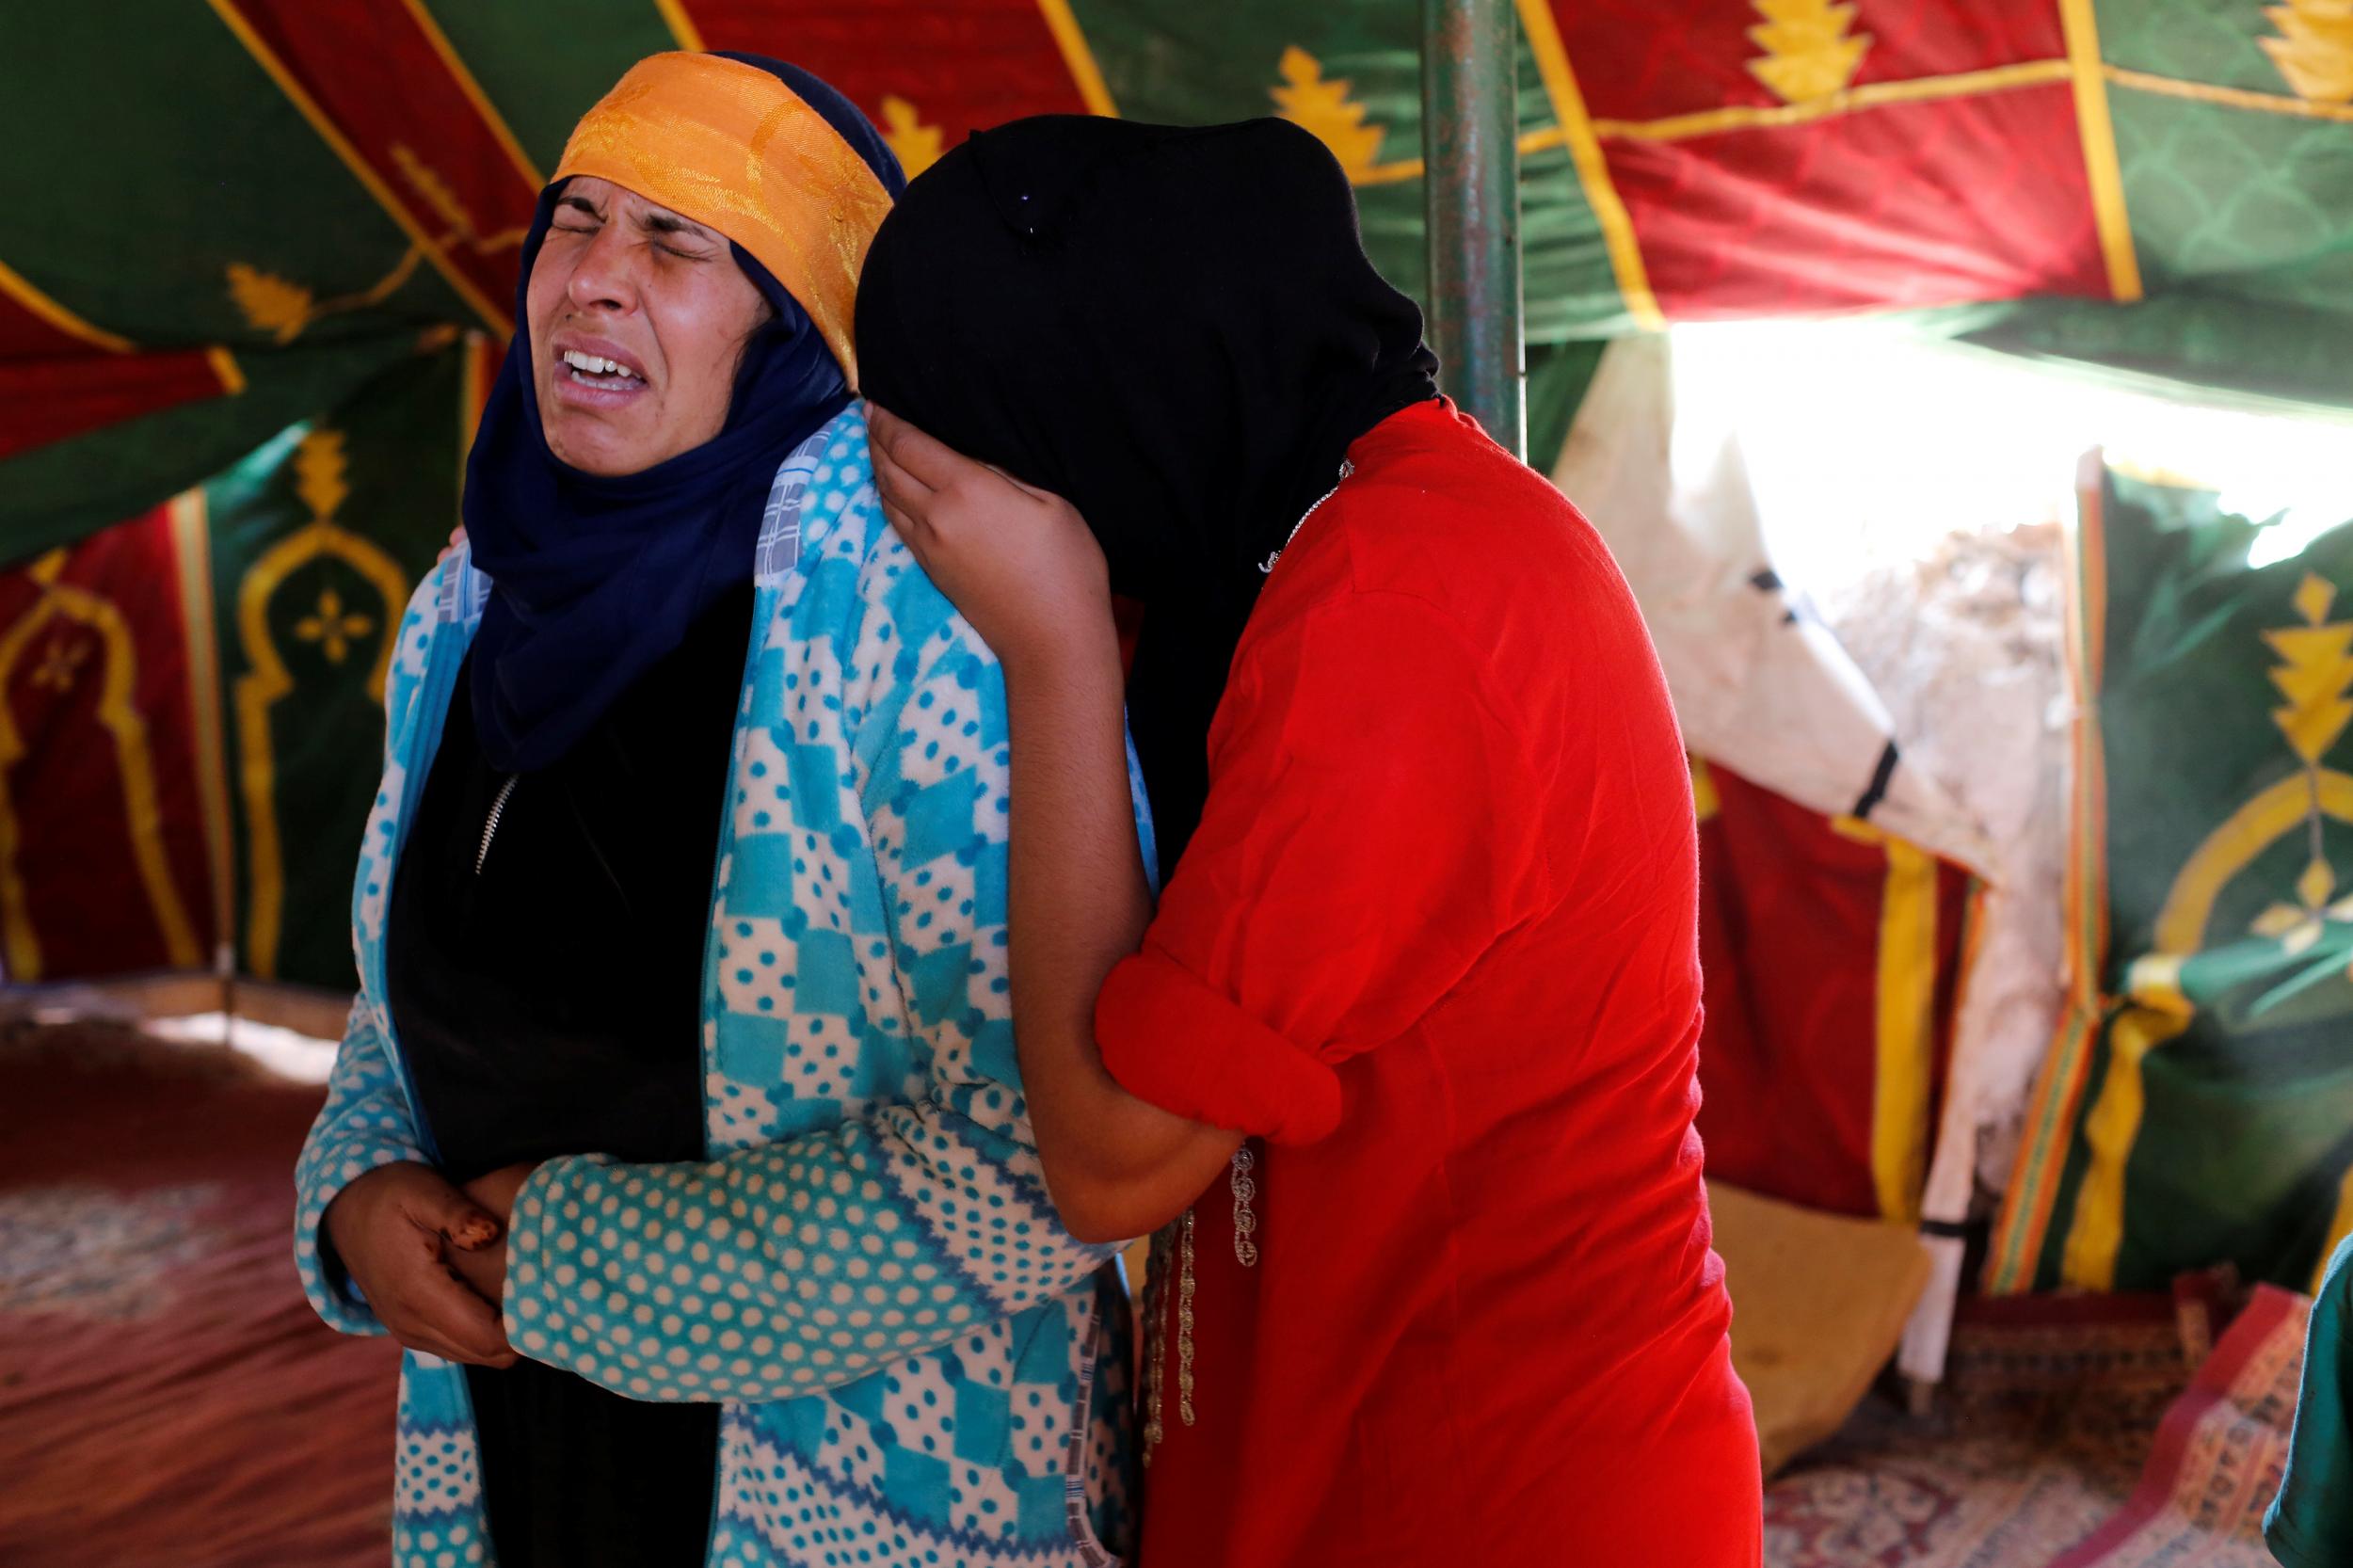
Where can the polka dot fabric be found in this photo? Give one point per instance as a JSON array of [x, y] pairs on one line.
[[438, 1519], [366, 1121], [867, 1271], [364, 1124]]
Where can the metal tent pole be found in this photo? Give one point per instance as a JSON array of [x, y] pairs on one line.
[[1470, 140]]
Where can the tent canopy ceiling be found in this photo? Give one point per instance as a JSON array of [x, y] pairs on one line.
[[231, 216]]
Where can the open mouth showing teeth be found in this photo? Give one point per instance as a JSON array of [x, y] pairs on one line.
[[592, 371]]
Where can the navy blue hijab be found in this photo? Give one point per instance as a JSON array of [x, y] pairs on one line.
[[595, 577]]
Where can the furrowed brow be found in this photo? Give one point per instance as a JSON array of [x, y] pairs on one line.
[[655, 221]]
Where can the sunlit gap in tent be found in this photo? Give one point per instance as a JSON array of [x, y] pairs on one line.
[[288, 1052], [1867, 443]]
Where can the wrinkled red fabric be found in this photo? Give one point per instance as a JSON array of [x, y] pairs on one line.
[[1448, 853]]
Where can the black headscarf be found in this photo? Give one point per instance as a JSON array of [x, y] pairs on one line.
[[596, 577], [1177, 331]]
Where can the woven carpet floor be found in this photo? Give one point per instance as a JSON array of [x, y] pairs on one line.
[[166, 1398], [2119, 1431]]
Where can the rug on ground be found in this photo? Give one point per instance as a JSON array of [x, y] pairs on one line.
[[166, 1398], [2083, 1432]]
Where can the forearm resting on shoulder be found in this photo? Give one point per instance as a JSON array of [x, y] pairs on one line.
[[1116, 1165]]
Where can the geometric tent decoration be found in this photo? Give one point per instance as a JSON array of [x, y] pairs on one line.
[[102, 851], [191, 702], [316, 541], [248, 207], [2197, 1106], [1833, 953], [272, 235]]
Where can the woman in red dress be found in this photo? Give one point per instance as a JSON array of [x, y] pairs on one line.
[[1404, 1059]]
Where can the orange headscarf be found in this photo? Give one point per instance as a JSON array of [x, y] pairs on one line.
[[733, 148]]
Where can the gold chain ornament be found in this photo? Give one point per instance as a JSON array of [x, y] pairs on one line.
[[1245, 1218], [1173, 1244], [1156, 1336]]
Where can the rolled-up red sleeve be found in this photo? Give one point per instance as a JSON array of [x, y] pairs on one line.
[[1369, 833], [1169, 1039]]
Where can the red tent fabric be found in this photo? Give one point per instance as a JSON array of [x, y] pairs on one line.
[[1833, 955]]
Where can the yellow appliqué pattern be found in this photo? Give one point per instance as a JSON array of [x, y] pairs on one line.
[[319, 465], [915, 144], [1808, 53], [60, 665], [321, 481], [76, 627], [2315, 668], [333, 627], [2314, 49], [1321, 104], [283, 308], [435, 192]]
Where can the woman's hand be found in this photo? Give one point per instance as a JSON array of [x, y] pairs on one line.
[[484, 1269], [1018, 562], [399, 1231], [1021, 565]]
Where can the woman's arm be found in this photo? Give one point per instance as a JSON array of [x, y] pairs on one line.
[[1116, 1165], [376, 1227], [371, 1212], [808, 1260]]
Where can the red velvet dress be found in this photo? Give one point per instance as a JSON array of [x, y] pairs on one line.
[[1434, 946]]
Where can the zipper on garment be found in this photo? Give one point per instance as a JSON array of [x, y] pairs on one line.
[[491, 823], [1347, 468]]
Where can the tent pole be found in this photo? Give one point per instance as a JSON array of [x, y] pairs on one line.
[[1471, 140]]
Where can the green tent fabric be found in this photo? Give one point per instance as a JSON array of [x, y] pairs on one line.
[[2197, 1105], [171, 198], [253, 223], [2238, 201], [2192, 342], [317, 231], [249, 207], [318, 539]]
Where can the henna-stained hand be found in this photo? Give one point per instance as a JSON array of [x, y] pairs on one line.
[[400, 1232], [484, 1269]]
